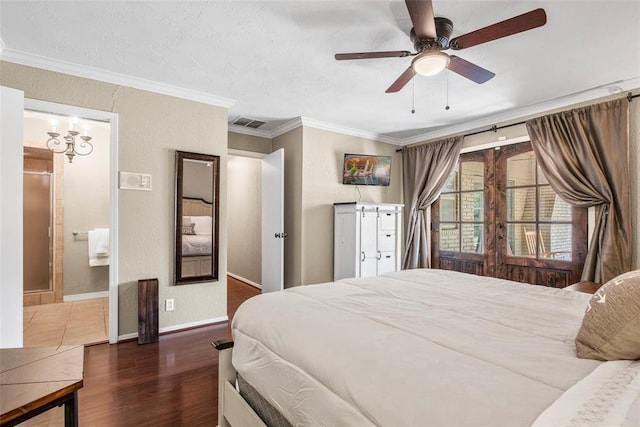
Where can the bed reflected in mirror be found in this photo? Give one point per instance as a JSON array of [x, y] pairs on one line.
[[196, 221]]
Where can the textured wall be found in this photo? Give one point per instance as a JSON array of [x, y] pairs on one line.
[[151, 128], [323, 156], [245, 218]]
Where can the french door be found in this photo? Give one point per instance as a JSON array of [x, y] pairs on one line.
[[498, 216]]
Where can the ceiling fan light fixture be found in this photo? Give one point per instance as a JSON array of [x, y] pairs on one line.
[[430, 63]]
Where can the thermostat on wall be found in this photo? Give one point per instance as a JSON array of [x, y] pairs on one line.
[[135, 181]]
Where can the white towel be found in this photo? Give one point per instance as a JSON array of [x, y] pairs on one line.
[[99, 247]]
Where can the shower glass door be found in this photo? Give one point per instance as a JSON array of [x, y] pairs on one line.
[[37, 229]]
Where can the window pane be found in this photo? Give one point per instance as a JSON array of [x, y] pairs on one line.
[[473, 238], [472, 175], [521, 169], [473, 206], [556, 241], [449, 237], [452, 182], [449, 207], [521, 204], [517, 243], [552, 207], [541, 178]]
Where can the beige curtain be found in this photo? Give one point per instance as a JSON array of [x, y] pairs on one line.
[[584, 154], [425, 169]]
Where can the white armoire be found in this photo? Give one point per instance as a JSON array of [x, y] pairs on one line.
[[366, 239]]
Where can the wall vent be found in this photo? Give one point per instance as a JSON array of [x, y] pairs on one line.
[[248, 123]]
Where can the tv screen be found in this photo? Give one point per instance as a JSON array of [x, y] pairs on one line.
[[362, 169]]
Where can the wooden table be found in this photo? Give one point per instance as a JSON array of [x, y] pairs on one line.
[[36, 379], [586, 287]]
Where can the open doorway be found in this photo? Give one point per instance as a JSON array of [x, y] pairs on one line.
[[66, 210], [256, 218], [244, 205]]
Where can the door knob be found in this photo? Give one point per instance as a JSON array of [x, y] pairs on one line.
[[280, 235]]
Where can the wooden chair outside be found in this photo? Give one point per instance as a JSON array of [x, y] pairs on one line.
[[532, 243]]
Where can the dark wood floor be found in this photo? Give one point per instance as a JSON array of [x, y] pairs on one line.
[[173, 382]]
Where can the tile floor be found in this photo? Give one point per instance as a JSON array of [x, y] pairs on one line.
[[67, 323]]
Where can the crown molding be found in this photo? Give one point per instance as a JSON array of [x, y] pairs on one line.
[[65, 67], [300, 121], [282, 129], [292, 124], [250, 131], [71, 68], [619, 87], [317, 124]]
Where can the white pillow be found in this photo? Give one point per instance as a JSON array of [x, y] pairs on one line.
[[203, 224]]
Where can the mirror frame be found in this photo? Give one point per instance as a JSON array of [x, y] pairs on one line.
[[181, 156]]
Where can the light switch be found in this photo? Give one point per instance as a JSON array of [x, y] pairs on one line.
[[135, 181]]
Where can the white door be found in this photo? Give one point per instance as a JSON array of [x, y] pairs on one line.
[[273, 222], [11, 117]]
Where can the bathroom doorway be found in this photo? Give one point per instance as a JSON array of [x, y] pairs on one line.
[[66, 290]]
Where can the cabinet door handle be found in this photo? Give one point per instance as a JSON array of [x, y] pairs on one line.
[[363, 256], [388, 235], [379, 255]]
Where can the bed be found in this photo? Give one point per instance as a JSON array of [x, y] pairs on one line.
[[419, 347], [196, 244]]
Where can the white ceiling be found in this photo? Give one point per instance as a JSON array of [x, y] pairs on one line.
[[274, 59]]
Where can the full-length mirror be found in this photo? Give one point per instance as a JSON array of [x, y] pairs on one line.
[[196, 249]]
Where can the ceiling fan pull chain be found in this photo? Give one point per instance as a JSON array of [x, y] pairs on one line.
[[413, 96], [447, 106]]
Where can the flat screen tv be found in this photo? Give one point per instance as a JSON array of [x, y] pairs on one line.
[[363, 169]]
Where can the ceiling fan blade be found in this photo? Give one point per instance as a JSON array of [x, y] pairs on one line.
[[469, 70], [370, 55], [401, 81], [421, 12], [517, 24]]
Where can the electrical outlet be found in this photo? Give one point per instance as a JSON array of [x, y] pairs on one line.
[[169, 304]]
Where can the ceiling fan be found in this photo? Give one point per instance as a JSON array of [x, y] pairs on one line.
[[431, 36]]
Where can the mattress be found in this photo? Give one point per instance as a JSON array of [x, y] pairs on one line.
[[196, 244], [417, 347]]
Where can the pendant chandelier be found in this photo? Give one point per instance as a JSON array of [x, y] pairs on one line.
[[70, 147]]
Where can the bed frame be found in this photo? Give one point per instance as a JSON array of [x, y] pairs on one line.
[[196, 207], [233, 410]]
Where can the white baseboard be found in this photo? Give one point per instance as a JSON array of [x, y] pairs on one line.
[[194, 324], [127, 336], [179, 327], [88, 295], [247, 281]]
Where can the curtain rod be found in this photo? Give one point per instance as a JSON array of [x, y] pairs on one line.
[[495, 128]]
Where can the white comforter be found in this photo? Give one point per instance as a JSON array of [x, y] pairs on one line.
[[413, 348], [196, 244]]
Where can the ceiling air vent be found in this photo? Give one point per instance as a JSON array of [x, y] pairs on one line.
[[248, 123]]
